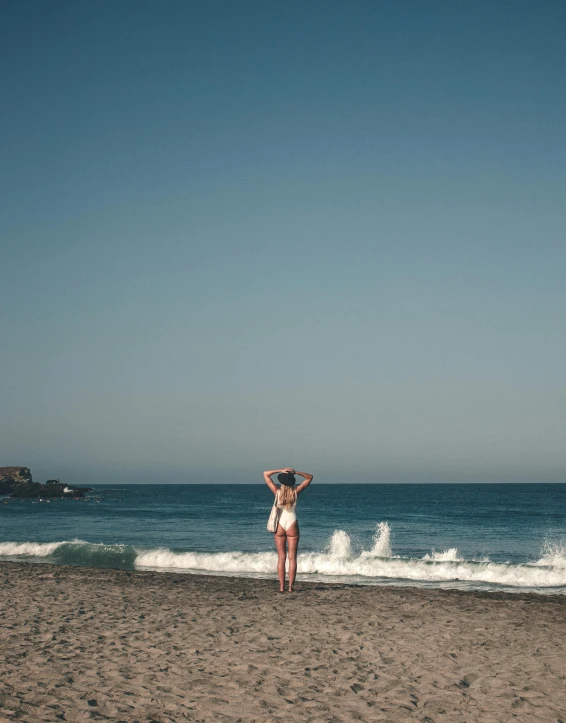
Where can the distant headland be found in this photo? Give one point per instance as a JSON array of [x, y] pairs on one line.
[[18, 482]]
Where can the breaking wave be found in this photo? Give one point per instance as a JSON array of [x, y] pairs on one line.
[[76, 552], [28, 549], [337, 562]]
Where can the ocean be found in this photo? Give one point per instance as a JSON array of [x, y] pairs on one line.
[[509, 537]]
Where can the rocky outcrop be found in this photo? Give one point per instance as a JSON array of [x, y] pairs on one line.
[[18, 482], [35, 489], [10, 477]]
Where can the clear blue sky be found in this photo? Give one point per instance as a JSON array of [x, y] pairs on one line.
[[237, 235]]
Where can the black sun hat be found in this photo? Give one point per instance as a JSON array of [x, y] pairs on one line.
[[286, 478]]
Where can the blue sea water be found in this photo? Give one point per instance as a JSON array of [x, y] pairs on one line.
[[468, 536]]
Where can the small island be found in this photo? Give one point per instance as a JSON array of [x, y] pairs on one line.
[[18, 482]]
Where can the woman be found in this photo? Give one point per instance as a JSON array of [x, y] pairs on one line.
[[288, 527]]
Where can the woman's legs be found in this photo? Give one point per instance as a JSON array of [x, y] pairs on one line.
[[281, 545], [293, 541]]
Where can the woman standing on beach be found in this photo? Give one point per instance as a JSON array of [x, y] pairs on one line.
[[288, 528]]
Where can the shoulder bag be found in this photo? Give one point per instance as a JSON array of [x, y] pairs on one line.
[[273, 520]]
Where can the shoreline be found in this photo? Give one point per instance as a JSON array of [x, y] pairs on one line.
[[408, 583], [304, 585], [79, 643]]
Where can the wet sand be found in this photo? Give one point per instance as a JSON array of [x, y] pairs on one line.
[[80, 644]]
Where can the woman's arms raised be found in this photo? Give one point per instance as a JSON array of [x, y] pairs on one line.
[[306, 483], [269, 482], [273, 487]]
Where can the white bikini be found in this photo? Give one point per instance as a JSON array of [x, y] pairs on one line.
[[288, 516]]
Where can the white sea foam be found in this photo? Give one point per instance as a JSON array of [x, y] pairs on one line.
[[382, 541], [338, 560], [450, 555], [340, 547], [553, 554], [364, 566]]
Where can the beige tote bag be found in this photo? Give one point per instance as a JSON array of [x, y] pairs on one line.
[[273, 520]]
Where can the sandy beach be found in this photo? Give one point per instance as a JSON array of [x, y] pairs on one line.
[[83, 644]]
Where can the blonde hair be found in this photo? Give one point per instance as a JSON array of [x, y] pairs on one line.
[[287, 497]]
